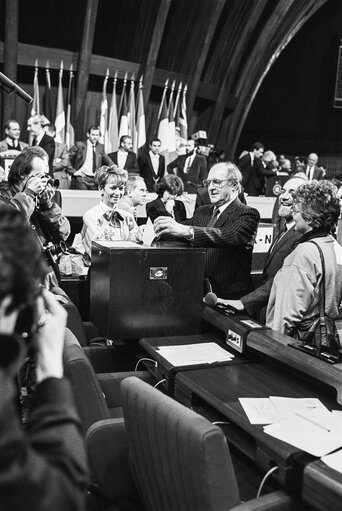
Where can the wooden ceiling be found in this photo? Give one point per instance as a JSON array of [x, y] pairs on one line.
[[222, 49]]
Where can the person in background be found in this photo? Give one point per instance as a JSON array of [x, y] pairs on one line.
[[125, 158], [166, 204], [253, 171], [60, 161], [106, 221], [35, 126], [294, 295], [11, 146], [152, 165], [135, 195], [190, 167], [312, 170], [85, 158], [44, 465]]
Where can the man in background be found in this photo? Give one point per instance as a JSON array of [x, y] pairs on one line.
[[85, 158], [312, 170], [125, 158], [35, 126], [135, 195], [190, 167], [60, 161], [152, 165], [11, 145], [253, 171]]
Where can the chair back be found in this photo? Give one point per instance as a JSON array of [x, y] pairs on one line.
[[179, 459]]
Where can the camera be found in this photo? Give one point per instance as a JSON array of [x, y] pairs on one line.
[[54, 250], [53, 182]]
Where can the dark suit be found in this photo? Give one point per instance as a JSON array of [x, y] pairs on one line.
[[157, 208], [77, 156], [131, 164], [193, 179], [317, 173], [229, 247], [256, 301], [147, 171], [253, 176], [4, 146], [48, 144]]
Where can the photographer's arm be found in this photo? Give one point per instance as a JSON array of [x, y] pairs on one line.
[[55, 225]]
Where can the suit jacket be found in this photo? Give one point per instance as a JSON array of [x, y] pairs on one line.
[[317, 173], [157, 208], [78, 153], [229, 247], [253, 176], [48, 144], [131, 164], [193, 179], [147, 172], [4, 146], [278, 251]]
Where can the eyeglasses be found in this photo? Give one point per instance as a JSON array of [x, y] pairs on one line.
[[218, 183]]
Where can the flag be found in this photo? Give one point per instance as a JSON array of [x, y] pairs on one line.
[[70, 121], [47, 97], [123, 94], [113, 132], [123, 130], [131, 115], [35, 110], [60, 114], [163, 125], [140, 127], [172, 127], [183, 122], [176, 112], [104, 114]]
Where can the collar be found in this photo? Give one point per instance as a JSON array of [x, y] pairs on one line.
[[154, 155], [225, 205], [105, 209], [289, 225], [122, 150], [12, 140], [39, 137]]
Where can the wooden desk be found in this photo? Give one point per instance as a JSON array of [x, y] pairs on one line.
[[218, 390], [322, 487]]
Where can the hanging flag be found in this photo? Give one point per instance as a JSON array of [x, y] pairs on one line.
[[176, 112], [123, 130], [47, 97], [113, 131], [123, 94], [131, 116], [140, 127], [69, 121], [104, 114], [163, 125], [60, 114], [35, 110], [172, 127], [183, 121]]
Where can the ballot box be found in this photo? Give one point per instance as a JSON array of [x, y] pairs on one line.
[[138, 291]]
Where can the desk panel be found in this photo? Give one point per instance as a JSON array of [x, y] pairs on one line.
[[322, 487]]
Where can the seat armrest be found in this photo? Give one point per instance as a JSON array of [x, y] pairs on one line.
[[110, 384], [104, 359], [275, 501], [107, 449]]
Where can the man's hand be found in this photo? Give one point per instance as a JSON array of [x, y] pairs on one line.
[[7, 320], [37, 183], [50, 337], [167, 225], [46, 196], [237, 304]]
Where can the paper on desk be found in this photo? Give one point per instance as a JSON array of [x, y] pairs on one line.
[[149, 234], [305, 435], [191, 354], [260, 410], [287, 406], [334, 460]]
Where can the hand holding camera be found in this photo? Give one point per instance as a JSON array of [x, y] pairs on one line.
[[37, 183]]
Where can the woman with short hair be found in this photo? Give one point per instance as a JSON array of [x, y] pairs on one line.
[[167, 204]]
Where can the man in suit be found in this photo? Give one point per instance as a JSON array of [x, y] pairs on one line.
[[10, 147], [152, 165], [60, 161], [85, 158], [190, 167], [312, 170], [135, 195], [125, 158], [254, 171], [35, 126], [226, 228], [255, 303]]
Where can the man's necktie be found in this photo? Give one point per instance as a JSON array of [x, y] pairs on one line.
[[213, 218], [35, 141], [188, 165], [94, 159]]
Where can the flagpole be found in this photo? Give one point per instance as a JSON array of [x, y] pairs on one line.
[[113, 129], [163, 98], [122, 94], [177, 97]]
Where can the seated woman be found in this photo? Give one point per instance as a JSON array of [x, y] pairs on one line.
[[168, 189], [294, 295], [106, 221]]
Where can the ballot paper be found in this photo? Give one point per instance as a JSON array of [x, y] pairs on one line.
[[192, 354], [149, 234], [334, 460], [317, 432]]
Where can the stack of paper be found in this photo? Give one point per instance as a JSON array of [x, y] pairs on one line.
[[192, 354]]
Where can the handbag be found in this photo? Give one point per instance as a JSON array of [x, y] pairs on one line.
[[319, 334]]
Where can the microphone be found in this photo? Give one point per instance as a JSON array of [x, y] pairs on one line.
[[8, 86], [210, 299]]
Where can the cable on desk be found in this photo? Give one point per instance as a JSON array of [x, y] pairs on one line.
[[159, 382], [273, 469], [218, 423], [145, 360]]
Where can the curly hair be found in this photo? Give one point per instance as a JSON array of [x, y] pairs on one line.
[[104, 173], [320, 205], [22, 267], [170, 183]]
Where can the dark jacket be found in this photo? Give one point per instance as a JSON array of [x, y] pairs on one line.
[[193, 179], [157, 208], [131, 164], [78, 153], [147, 172], [253, 176]]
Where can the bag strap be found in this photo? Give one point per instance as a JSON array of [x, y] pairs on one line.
[[322, 284]]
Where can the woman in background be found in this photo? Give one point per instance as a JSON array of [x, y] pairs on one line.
[[167, 203]]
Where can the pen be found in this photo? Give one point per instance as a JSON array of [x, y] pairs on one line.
[[313, 422]]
